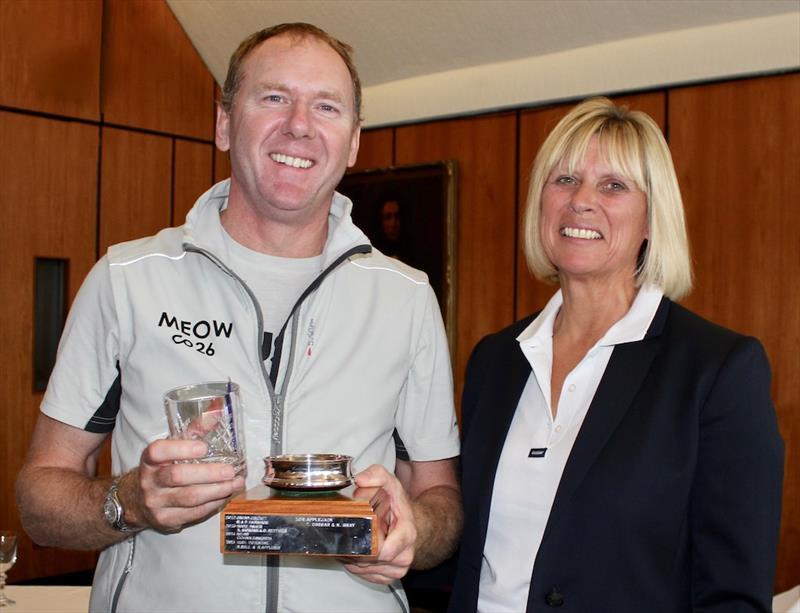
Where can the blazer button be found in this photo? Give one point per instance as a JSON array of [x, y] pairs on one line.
[[554, 598]]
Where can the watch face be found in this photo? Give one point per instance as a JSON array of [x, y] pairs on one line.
[[110, 511]]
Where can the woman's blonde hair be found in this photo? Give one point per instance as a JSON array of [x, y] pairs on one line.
[[633, 145]]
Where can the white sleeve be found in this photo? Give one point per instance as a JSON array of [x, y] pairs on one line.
[[426, 420], [83, 390]]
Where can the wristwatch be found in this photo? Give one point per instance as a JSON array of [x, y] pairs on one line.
[[113, 511]]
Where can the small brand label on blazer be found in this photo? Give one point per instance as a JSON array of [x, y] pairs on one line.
[[537, 452]]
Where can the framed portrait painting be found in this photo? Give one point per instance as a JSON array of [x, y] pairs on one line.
[[409, 213]]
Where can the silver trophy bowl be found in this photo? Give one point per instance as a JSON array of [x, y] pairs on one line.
[[308, 472]]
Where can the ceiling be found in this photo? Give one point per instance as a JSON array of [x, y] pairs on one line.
[[404, 41]]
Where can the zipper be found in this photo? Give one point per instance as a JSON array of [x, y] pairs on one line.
[[399, 598], [125, 572], [276, 359], [275, 415], [277, 398], [287, 376], [276, 440], [259, 317]]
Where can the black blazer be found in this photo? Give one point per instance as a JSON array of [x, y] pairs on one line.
[[670, 499]]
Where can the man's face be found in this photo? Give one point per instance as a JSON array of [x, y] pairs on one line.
[[390, 218], [292, 130]]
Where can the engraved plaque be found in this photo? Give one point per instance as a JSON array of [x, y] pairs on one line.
[[264, 521], [306, 534]]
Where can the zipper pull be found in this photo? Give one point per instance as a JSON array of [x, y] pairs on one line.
[[277, 413]]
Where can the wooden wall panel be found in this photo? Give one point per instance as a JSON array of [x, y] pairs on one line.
[[48, 205], [222, 165], [376, 149], [736, 146], [152, 76], [50, 56], [193, 175], [135, 185], [485, 152], [50, 62], [535, 125]]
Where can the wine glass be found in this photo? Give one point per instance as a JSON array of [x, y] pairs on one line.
[[8, 555]]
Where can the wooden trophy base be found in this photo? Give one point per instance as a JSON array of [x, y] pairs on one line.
[[264, 521]]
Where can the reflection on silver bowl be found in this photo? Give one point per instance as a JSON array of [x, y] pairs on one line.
[[308, 472]]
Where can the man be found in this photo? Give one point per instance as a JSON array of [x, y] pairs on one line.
[[334, 347], [388, 238], [390, 220]]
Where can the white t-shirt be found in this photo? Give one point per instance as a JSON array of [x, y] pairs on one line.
[[276, 282], [537, 447]]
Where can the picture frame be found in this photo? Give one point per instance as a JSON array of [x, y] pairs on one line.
[[409, 212]]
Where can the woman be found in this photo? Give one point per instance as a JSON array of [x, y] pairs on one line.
[[620, 453]]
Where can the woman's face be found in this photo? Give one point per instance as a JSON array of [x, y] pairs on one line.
[[593, 220]]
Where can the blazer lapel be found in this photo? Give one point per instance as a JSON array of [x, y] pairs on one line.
[[493, 428], [622, 379]]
